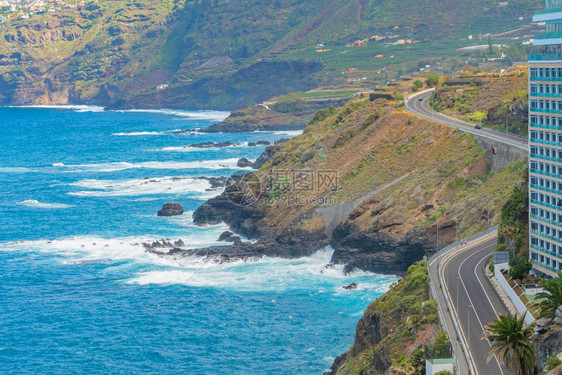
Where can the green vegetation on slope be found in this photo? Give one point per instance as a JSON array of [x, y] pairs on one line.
[[108, 50], [488, 99], [395, 328]]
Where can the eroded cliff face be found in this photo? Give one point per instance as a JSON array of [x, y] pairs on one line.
[[401, 322], [377, 251], [546, 341], [392, 178]]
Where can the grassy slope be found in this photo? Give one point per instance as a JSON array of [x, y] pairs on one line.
[[498, 99], [133, 45]]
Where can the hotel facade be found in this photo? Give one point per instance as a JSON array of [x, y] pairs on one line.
[[545, 144]]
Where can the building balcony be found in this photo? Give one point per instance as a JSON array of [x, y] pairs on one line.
[[551, 253], [552, 35], [542, 188], [542, 126], [554, 207], [543, 110], [544, 235], [545, 267], [544, 57], [545, 95], [547, 158], [544, 142], [545, 79], [545, 220], [544, 15]]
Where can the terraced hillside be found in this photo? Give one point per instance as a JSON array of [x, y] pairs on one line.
[[226, 54], [498, 102]]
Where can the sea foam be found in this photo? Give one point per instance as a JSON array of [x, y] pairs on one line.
[[265, 274], [140, 187], [192, 115], [76, 108], [172, 165], [36, 204]]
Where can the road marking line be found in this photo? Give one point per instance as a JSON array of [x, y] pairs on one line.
[[447, 257], [470, 299], [484, 289]]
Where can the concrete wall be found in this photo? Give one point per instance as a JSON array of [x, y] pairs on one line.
[[521, 309], [501, 155], [433, 368]]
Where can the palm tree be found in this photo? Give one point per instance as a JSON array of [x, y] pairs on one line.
[[551, 298], [402, 366], [510, 343]]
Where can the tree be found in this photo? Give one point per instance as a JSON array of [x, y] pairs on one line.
[[418, 84], [402, 366], [432, 79], [552, 297], [510, 343], [519, 268]]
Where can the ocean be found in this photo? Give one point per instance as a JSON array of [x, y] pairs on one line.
[[79, 191]]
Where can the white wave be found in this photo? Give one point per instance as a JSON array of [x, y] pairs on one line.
[[265, 274], [166, 132], [289, 133], [194, 115], [140, 133], [80, 249], [76, 108], [15, 170], [176, 165], [190, 148], [139, 187], [309, 273], [37, 204]]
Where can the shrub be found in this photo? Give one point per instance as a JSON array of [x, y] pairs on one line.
[[552, 362], [418, 84], [520, 268], [432, 79]]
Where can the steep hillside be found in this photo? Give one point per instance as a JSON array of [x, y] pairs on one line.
[[489, 99], [395, 328], [225, 54], [398, 178]]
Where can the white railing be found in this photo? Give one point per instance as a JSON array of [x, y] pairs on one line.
[[519, 305]]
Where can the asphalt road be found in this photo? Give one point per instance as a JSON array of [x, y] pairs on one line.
[[467, 297], [422, 108], [474, 301]]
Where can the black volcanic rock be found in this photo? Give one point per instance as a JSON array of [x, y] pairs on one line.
[[171, 209], [376, 251], [226, 236], [267, 154], [243, 163]]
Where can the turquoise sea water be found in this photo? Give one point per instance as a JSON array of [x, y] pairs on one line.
[[79, 190]]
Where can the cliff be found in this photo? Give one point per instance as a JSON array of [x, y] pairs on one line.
[[371, 181], [275, 115], [400, 323]]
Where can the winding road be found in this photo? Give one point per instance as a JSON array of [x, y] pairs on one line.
[[466, 297], [418, 104]]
